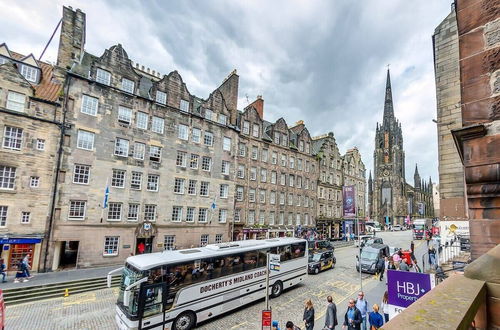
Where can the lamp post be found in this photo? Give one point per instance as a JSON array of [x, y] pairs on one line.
[[359, 246]]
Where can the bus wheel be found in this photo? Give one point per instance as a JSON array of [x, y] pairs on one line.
[[277, 289], [185, 321]]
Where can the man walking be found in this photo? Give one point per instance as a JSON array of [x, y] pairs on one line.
[[3, 267], [381, 267], [362, 306], [352, 317], [331, 314]]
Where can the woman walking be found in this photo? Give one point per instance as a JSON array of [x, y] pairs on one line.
[[375, 319], [384, 306], [309, 315]]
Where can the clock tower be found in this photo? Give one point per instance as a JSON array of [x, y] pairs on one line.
[[388, 200]]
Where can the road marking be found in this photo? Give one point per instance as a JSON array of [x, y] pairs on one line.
[[239, 325]]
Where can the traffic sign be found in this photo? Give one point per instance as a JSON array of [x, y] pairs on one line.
[[266, 319], [274, 262]]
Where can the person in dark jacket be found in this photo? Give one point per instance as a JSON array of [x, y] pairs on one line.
[[381, 267], [352, 317], [331, 314], [309, 315]]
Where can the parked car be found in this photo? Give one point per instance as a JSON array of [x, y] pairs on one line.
[[363, 238], [369, 257], [372, 240], [396, 228], [319, 261]]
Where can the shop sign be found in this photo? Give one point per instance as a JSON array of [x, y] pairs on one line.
[[20, 240], [254, 230]]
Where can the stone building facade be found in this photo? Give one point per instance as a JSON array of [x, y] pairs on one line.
[[354, 173], [329, 213], [478, 138], [275, 176], [449, 117], [30, 128], [392, 199], [146, 166]]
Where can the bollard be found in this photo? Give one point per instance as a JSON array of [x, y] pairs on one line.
[[66, 292]]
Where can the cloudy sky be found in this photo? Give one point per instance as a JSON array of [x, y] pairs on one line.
[[323, 62]]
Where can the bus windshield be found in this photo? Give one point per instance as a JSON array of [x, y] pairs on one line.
[[130, 275], [419, 227]]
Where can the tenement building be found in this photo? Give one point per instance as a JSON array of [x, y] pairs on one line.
[[392, 200], [147, 165], [30, 124], [354, 174], [329, 213], [275, 176]]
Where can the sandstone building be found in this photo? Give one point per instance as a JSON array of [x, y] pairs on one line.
[[449, 117], [30, 128], [276, 176]]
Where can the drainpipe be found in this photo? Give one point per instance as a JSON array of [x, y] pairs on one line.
[[56, 178]]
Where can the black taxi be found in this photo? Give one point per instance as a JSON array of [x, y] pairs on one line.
[[320, 260]]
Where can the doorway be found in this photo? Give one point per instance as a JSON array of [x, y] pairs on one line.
[[69, 254], [144, 245]]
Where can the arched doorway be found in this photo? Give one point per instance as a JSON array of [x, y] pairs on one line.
[[144, 236]]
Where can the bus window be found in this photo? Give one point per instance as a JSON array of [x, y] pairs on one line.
[[263, 257], [285, 252], [250, 260], [298, 250]]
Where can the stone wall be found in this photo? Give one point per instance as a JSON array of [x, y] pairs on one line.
[[449, 116]]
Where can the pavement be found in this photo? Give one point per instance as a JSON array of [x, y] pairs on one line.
[[59, 276], [96, 309]]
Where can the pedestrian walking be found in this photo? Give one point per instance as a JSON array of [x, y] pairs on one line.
[[275, 325], [404, 265], [21, 273], [432, 255], [362, 305], [290, 326], [375, 319], [352, 317], [3, 267], [27, 266], [385, 306], [331, 314], [391, 264], [309, 315], [380, 267], [416, 268]]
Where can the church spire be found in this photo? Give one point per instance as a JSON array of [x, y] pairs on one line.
[[388, 107], [416, 178]]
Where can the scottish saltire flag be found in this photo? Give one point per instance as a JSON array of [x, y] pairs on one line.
[[106, 195]]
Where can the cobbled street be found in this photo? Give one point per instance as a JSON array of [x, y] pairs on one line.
[[96, 310]]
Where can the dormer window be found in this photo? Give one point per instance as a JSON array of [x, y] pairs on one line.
[[284, 141], [222, 119], [208, 114], [308, 147], [246, 127], [128, 85], [255, 130], [161, 97], [103, 77], [30, 73], [277, 138], [184, 106], [301, 145]]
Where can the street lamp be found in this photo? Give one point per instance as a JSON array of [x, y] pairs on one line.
[[359, 246]]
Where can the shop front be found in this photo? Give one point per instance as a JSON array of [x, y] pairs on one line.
[[255, 233], [280, 231], [15, 249], [329, 228]]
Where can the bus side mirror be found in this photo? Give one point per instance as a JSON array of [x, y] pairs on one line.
[[126, 298]]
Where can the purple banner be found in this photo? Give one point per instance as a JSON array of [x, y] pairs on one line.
[[348, 193], [405, 288]]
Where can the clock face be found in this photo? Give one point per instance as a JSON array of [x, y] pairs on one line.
[[386, 173]]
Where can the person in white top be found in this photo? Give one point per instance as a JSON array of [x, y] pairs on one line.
[[384, 306]]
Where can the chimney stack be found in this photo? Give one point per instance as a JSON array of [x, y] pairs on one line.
[[258, 104]]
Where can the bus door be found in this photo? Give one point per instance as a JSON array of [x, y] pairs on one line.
[[152, 301]]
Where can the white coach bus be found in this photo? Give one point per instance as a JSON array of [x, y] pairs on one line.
[[177, 289]]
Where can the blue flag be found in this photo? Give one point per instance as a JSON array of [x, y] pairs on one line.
[[106, 195]]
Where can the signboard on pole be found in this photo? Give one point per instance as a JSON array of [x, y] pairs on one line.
[[349, 203], [266, 319], [274, 262], [404, 288]]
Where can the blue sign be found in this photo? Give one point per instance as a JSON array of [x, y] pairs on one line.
[[213, 206], [20, 240]]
